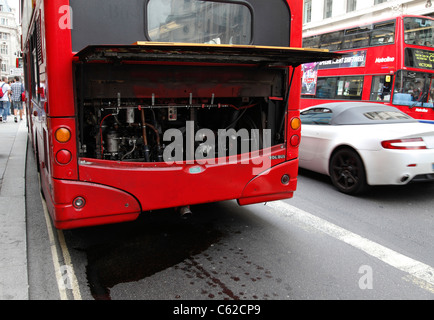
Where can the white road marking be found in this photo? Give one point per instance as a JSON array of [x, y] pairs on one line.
[[414, 268], [71, 273], [73, 283], [62, 291]]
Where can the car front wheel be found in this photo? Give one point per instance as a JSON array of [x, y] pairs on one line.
[[347, 171]]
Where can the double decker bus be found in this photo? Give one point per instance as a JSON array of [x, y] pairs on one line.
[[389, 61], [142, 105]]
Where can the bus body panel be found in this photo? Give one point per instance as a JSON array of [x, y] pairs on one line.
[[102, 204]]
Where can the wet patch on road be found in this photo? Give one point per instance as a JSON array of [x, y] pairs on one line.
[[132, 251], [241, 280], [216, 254]]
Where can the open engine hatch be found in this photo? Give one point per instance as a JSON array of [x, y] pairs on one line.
[[208, 53]]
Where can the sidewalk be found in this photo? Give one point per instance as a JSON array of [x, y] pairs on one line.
[[13, 239]]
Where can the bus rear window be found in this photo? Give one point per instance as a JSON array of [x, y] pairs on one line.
[[386, 115], [196, 21]]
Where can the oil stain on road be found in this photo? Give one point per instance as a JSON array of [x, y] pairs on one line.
[[132, 251], [214, 253]]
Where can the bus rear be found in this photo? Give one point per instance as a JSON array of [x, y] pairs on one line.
[[144, 105]]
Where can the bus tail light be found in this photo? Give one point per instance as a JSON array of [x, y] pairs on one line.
[[295, 123], [63, 147], [63, 135], [63, 156], [404, 144], [295, 140]]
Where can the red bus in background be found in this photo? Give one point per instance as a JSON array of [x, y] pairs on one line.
[[147, 104], [390, 61]]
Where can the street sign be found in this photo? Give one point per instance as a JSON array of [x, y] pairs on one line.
[[17, 72]]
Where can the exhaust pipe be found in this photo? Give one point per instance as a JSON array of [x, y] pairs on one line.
[[185, 212], [405, 178]]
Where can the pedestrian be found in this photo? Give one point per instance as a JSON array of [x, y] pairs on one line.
[[10, 98], [17, 105], [4, 101]]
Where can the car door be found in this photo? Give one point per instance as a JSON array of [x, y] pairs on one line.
[[314, 122]]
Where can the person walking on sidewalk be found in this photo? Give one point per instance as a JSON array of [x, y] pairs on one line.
[[4, 100], [17, 105]]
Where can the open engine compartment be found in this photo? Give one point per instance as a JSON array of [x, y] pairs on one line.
[[127, 111]]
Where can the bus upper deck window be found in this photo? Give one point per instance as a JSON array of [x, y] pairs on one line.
[[196, 21], [419, 31]]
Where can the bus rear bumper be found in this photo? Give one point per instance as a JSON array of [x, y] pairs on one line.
[[276, 183], [83, 204]]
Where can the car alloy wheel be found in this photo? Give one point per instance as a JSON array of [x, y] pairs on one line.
[[347, 171]]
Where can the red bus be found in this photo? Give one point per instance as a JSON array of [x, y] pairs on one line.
[[390, 62], [141, 105]]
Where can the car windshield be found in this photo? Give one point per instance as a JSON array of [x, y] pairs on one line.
[[316, 116]]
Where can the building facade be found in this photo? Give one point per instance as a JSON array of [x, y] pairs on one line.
[[322, 16], [10, 35]]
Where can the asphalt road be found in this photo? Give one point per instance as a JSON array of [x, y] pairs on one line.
[[319, 245]]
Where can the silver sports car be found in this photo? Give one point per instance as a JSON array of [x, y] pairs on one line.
[[360, 144]]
